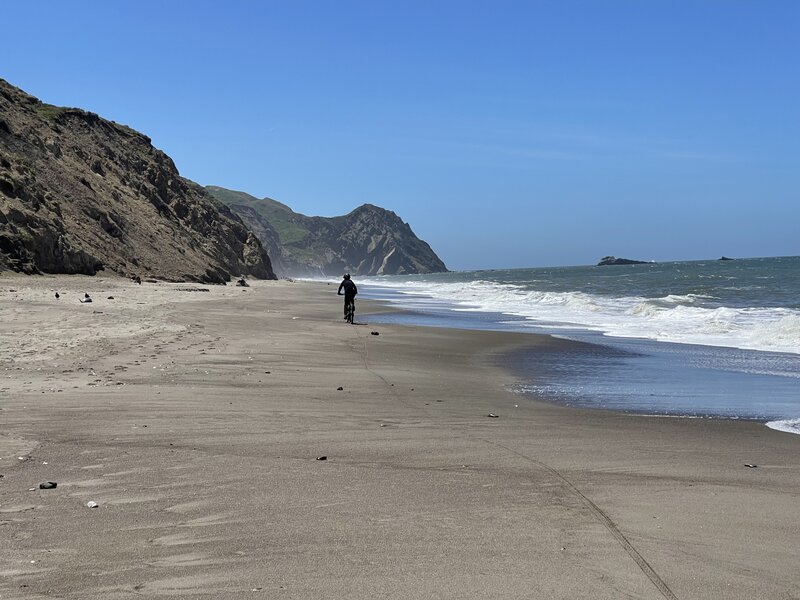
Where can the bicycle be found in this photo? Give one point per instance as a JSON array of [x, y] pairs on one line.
[[350, 312]]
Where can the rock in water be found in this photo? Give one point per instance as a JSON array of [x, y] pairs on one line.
[[79, 194], [613, 260]]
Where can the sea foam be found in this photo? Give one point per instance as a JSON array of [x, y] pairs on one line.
[[787, 425], [688, 319]]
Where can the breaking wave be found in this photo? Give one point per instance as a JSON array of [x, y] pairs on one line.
[[687, 319], [787, 425]]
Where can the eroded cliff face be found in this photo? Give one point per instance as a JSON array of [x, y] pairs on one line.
[[368, 241], [80, 194], [375, 241]]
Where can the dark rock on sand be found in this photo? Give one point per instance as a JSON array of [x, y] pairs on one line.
[[48, 485]]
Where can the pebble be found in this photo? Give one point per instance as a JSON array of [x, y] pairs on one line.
[[322, 458], [492, 415], [92, 504], [339, 389], [48, 485]]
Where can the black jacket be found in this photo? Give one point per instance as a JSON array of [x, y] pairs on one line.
[[350, 289]]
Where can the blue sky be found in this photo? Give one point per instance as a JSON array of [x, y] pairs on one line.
[[508, 134]]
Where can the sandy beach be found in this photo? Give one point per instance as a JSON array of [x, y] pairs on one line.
[[196, 417]]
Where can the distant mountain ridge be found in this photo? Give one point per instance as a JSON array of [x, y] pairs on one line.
[[367, 241], [80, 194]]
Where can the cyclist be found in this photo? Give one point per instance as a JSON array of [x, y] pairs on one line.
[[350, 291]]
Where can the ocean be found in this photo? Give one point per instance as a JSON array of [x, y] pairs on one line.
[[716, 338]]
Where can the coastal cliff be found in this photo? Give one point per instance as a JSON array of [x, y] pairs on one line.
[[367, 241], [81, 194]]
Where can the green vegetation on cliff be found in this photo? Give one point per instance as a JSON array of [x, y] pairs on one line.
[[368, 241]]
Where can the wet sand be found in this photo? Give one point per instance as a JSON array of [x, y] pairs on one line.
[[195, 420]]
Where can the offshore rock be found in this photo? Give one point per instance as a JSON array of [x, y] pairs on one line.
[[80, 194], [368, 241], [613, 260]]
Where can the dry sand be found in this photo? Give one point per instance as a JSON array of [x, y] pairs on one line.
[[195, 419]]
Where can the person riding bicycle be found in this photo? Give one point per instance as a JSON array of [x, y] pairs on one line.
[[350, 291]]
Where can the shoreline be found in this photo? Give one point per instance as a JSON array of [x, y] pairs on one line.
[[195, 420], [633, 375]]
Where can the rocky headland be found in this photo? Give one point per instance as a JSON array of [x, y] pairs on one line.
[[80, 194], [367, 241]]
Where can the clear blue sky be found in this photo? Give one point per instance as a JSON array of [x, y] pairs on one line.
[[508, 134]]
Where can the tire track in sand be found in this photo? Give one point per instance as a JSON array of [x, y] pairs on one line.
[[602, 517], [598, 513]]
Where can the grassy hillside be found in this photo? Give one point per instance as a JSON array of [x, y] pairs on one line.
[[368, 240], [286, 222]]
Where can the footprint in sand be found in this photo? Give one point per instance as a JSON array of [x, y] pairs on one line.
[[211, 520], [191, 559], [18, 508], [187, 507], [23, 570], [186, 539], [188, 584], [131, 499]]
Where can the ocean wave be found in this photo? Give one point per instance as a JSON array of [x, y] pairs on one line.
[[787, 425], [689, 318]]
